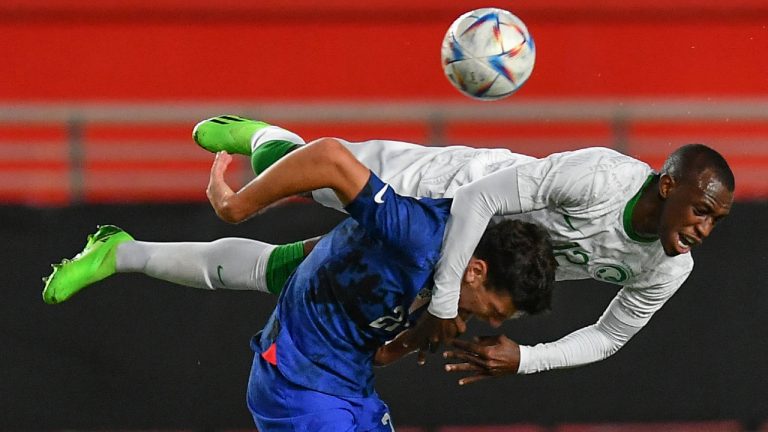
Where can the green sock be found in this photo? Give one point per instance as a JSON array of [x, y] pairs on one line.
[[270, 152], [282, 262]]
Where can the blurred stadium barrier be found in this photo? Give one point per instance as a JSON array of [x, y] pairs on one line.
[[92, 153]]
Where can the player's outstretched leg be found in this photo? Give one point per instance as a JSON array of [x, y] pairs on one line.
[[94, 263], [265, 144]]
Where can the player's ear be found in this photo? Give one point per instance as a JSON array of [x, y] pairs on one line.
[[666, 184], [477, 271]]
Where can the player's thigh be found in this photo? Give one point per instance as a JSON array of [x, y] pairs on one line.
[[372, 415], [318, 421], [279, 405]]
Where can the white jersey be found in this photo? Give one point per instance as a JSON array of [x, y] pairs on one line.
[[584, 199], [418, 171]]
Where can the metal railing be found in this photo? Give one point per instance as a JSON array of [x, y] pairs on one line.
[[648, 129]]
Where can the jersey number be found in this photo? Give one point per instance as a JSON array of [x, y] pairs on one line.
[[386, 420], [388, 322], [571, 252]]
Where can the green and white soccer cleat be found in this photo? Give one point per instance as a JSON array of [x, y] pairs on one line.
[[229, 133], [94, 263]]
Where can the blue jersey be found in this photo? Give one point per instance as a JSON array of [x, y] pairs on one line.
[[353, 292]]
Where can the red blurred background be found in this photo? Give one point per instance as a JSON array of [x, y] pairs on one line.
[[97, 103], [96, 92]]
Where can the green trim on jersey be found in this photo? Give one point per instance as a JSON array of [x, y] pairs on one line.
[[282, 262], [630, 209], [270, 152], [568, 221]]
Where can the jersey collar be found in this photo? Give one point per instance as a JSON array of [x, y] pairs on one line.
[[630, 209]]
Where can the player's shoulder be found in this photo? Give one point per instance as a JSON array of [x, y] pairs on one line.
[[666, 273], [414, 226], [596, 158], [596, 180], [678, 265], [593, 166]]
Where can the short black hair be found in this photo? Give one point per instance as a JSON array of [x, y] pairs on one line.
[[520, 261], [689, 161]]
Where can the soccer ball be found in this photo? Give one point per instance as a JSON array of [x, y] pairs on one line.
[[488, 53]]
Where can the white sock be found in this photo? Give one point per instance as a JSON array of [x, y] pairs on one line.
[[274, 133], [229, 263]]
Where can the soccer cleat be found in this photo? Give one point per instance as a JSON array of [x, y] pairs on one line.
[[229, 133], [94, 263]]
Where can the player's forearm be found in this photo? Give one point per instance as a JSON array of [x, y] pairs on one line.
[[222, 198], [473, 207], [588, 345], [322, 164]]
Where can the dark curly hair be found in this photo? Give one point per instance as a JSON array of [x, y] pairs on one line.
[[520, 261]]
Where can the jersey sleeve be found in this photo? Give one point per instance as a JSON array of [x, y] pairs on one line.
[[473, 207], [626, 315], [407, 223]]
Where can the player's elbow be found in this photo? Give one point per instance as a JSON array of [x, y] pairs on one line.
[[230, 211], [610, 345], [612, 348], [469, 196]]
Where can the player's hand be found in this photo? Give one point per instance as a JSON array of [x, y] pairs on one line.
[[430, 332], [220, 164], [486, 357], [218, 191]]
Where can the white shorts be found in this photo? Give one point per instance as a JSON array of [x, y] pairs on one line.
[[419, 171]]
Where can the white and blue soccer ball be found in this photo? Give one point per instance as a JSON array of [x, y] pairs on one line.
[[488, 53]]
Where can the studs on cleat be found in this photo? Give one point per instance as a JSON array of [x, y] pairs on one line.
[[231, 118], [224, 119]]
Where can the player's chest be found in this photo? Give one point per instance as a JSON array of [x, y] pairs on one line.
[[595, 248]]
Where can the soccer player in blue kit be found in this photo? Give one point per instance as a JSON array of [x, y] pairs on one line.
[[362, 284], [313, 368]]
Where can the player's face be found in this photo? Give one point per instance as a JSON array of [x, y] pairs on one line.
[[486, 304], [691, 210]]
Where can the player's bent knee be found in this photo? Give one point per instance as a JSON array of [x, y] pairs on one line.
[[330, 150], [336, 156], [339, 167]]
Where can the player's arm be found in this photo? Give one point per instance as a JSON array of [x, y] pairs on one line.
[[473, 207], [324, 163], [626, 315], [491, 356], [392, 351]]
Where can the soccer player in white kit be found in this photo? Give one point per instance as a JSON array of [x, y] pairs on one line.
[[610, 217]]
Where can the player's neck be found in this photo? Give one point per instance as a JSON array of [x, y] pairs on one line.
[[645, 218]]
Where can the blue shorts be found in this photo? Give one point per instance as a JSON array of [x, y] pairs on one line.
[[279, 405]]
